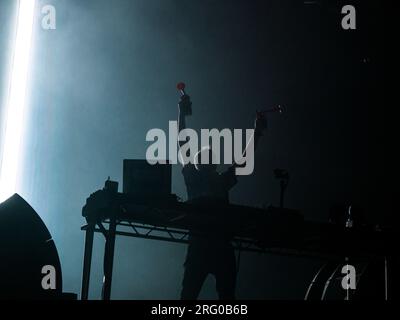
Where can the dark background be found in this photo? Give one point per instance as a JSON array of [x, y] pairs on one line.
[[107, 75]]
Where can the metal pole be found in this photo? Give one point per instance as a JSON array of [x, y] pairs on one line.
[[87, 260]]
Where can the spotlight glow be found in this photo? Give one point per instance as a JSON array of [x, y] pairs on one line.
[[15, 108]]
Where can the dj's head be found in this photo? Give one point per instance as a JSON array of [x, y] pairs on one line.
[[205, 160]]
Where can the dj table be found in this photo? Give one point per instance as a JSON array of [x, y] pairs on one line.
[[273, 230]]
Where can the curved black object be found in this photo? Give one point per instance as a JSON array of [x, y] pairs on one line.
[[26, 247]]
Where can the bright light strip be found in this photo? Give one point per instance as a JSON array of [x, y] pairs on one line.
[[15, 108]]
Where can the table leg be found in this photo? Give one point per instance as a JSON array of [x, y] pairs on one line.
[[87, 260], [109, 260]]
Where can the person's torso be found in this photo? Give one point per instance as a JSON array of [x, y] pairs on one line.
[[203, 185]]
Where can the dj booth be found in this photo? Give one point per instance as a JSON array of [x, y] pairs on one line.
[[147, 209], [272, 230]]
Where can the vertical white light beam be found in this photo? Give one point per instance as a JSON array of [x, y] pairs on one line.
[[15, 107]]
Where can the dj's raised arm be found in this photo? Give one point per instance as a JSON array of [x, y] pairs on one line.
[[260, 126], [184, 110]]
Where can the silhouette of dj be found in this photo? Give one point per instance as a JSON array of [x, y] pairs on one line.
[[210, 252]]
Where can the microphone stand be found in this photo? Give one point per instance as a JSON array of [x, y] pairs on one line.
[[283, 176]]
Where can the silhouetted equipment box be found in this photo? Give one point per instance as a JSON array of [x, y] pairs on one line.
[[141, 179]]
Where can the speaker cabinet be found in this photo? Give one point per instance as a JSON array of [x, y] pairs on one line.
[[26, 252]]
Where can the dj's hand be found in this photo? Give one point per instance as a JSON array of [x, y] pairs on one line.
[[185, 105]]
